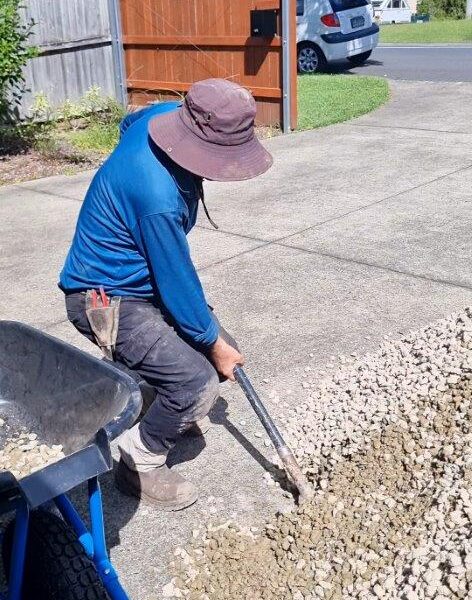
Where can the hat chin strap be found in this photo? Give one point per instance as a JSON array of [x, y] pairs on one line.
[[202, 198]]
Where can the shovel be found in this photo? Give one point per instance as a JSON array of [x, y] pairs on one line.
[[286, 455]]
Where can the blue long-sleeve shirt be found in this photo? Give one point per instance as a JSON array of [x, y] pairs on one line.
[[131, 231]]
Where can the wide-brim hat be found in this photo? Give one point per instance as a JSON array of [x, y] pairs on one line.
[[212, 133]]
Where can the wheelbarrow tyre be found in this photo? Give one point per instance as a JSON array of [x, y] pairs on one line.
[[57, 566]]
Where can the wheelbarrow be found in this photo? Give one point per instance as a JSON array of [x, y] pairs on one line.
[[81, 403]]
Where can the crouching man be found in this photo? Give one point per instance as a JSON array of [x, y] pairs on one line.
[[130, 261]]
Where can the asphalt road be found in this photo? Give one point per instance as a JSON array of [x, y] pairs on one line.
[[416, 63]]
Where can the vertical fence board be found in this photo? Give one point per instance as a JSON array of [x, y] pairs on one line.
[[74, 40], [73, 37], [169, 44]]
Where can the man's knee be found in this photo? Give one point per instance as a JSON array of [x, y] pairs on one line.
[[206, 397], [178, 405], [205, 389], [192, 390]]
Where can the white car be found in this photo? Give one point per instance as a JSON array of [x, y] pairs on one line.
[[392, 11], [329, 30]]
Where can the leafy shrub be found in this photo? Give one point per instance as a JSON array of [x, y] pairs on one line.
[[41, 124], [92, 109], [442, 9], [90, 124], [424, 7], [100, 117], [14, 54], [36, 131], [101, 109]]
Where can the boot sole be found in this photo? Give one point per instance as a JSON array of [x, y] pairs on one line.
[[129, 490]]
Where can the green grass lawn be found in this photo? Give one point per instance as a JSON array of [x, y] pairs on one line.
[[327, 99], [322, 100], [427, 33]]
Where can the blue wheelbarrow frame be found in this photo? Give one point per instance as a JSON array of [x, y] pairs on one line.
[[96, 393]]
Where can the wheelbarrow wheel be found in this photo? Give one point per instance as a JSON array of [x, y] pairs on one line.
[[57, 567]]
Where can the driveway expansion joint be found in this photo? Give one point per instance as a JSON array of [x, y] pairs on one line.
[[339, 258], [263, 244], [447, 282], [44, 193], [279, 241], [400, 127]]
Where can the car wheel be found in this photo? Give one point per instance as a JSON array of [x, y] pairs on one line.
[[310, 58], [359, 59]]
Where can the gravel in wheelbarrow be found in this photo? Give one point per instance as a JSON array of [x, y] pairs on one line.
[[59, 408], [69, 400]]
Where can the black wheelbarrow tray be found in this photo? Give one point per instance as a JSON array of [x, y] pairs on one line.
[[81, 403]]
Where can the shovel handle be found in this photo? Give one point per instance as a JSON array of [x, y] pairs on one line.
[[286, 455], [259, 408]]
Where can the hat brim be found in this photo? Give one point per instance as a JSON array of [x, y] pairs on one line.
[[211, 161]]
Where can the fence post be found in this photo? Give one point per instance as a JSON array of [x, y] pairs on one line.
[[286, 67], [117, 51]]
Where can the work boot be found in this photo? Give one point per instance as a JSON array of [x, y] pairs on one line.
[[161, 487]]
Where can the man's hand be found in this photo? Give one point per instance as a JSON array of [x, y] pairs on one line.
[[224, 358]]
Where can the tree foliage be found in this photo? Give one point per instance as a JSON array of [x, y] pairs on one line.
[[14, 54], [443, 9]]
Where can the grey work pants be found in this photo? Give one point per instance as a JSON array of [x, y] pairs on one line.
[[185, 381]]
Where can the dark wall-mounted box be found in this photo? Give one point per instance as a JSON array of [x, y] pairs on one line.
[[264, 23]]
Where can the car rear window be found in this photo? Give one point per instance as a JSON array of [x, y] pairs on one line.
[[338, 5]]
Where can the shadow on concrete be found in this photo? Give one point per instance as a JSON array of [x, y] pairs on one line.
[[186, 450], [219, 416], [118, 509], [190, 447], [346, 68]]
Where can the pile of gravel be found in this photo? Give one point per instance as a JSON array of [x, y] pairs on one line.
[[387, 442], [23, 454]]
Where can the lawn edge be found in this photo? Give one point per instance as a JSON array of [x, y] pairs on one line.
[[367, 112]]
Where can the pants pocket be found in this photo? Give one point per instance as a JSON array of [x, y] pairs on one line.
[[134, 345], [75, 309]]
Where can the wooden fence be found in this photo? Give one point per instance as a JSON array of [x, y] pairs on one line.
[[169, 44], [73, 37]]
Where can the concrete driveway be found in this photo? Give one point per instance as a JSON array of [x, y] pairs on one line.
[[360, 230]]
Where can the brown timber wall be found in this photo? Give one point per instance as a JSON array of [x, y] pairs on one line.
[[169, 44]]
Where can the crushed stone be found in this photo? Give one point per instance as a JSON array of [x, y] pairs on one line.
[[386, 441], [22, 453]]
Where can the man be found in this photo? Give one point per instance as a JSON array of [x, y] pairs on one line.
[[130, 261]]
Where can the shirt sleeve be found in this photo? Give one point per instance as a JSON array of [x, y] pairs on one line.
[[167, 250], [130, 119]]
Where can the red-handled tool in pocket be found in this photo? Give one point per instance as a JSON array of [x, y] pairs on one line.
[[103, 315]]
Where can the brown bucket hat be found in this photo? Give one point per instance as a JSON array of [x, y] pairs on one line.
[[212, 133]]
